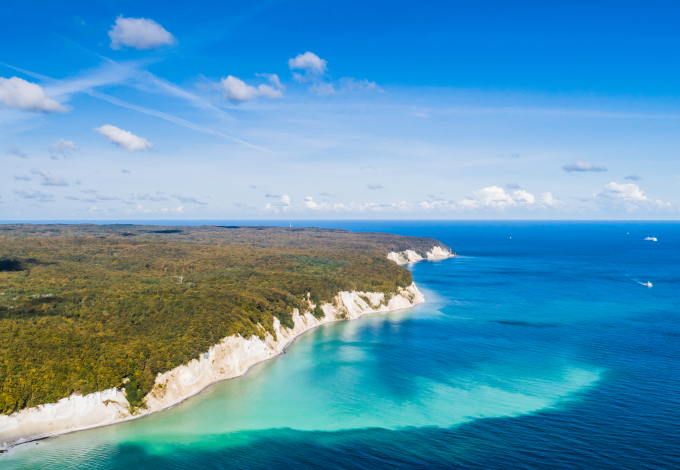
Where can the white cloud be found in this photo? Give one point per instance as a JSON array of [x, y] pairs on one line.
[[494, 197], [521, 196], [633, 177], [626, 191], [548, 200], [436, 204], [284, 203], [309, 203], [22, 178], [322, 89], [375, 186], [16, 151], [17, 93], [235, 89], [30, 194], [308, 62], [273, 79], [140, 33], [354, 85], [491, 197], [178, 209], [315, 70], [298, 77], [124, 139], [140, 209], [49, 179], [63, 147], [630, 198], [580, 166]]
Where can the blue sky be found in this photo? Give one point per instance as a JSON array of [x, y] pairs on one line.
[[416, 110]]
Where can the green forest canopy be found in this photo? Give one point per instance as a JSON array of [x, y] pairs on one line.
[[82, 307]]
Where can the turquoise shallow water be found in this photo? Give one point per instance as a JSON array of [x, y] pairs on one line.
[[543, 350]]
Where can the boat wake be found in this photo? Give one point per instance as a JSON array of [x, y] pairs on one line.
[[635, 279]]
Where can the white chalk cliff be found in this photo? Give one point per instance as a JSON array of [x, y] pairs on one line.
[[410, 256], [231, 357]]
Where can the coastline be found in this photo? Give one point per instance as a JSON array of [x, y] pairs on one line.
[[230, 358]]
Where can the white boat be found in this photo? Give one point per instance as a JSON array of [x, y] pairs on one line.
[[649, 284], [651, 238]]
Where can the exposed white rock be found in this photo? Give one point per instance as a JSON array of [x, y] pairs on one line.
[[234, 355], [74, 412], [231, 357], [439, 253], [410, 256]]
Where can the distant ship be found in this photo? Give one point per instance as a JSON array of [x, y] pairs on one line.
[[649, 284], [651, 238]]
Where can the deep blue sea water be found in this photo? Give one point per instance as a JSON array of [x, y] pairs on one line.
[[538, 348]]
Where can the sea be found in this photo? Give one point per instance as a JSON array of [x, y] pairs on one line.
[[540, 346]]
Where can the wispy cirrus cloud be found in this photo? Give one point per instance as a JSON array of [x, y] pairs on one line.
[[112, 72]]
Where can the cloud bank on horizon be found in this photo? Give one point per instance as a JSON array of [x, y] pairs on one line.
[[243, 121]]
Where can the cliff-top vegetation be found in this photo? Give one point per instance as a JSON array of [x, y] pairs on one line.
[[85, 307]]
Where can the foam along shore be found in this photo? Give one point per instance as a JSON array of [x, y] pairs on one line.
[[231, 357], [410, 256]]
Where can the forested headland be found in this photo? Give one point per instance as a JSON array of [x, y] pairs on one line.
[[84, 308]]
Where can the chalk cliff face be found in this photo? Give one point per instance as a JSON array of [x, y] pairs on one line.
[[74, 412], [410, 256], [232, 357]]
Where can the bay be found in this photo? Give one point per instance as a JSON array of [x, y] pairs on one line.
[[538, 347]]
